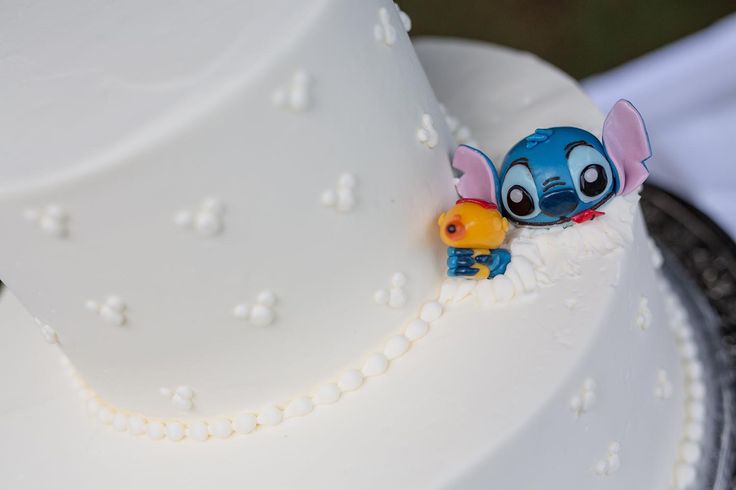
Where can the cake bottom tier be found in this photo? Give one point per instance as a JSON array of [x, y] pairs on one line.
[[543, 392]]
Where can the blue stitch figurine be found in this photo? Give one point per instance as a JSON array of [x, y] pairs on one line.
[[561, 175]]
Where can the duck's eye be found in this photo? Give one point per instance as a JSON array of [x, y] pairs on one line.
[[590, 172], [455, 229], [519, 201], [593, 180], [519, 193]]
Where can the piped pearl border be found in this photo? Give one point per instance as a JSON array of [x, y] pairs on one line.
[[377, 363], [690, 450], [223, 427]]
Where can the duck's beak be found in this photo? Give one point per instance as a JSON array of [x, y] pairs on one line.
[[441, 219]]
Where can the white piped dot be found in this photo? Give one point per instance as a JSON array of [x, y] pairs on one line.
[[270, 415], [327, 394], [350, 380], [207, 224], [261, 315], [396, 347], [106, 415], [299, 407], [697, 390], [156, 430], [245, 423], [198, 431], [431, 311], [137, 425], [691, 452], [694, 370], [405, 19], [695, 431], [417, 329], [115, 303], [684, 476], [175, 431], [347, 181], [120, 422], [689, 350], [696, 409], [184, 392], [398, 280], [266, 298], [375, 364], [221, 428]]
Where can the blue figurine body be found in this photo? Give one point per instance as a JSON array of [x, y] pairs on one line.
[[464, 262]]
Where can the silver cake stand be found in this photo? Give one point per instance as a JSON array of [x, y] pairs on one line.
[[700, 264]]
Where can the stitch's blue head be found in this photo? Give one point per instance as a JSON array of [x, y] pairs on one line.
[[554, 174]]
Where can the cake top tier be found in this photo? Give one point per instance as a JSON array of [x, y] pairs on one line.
[[77, 89]]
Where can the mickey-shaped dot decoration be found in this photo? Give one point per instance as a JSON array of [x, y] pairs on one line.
[[261, 313]]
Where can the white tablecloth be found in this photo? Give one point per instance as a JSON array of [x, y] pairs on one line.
[[687, 94]]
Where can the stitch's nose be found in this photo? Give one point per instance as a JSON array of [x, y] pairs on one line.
[[559, 203]]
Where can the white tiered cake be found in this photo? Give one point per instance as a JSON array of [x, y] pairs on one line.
[[224, 216]]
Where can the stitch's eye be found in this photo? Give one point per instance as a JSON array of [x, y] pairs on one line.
[[519, 201], [593, 180], [590, 172], [519, 193]]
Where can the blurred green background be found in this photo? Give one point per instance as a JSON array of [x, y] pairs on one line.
[[582, 37]]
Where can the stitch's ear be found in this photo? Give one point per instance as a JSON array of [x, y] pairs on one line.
[[479, 179], [627, 144]]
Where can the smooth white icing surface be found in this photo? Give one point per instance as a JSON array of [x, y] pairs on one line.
[[198, 218], [78, 91]]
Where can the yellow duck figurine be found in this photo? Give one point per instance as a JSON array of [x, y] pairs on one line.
[[473, 230]]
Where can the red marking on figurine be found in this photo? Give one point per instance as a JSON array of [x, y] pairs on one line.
[[479, 202], [587, 215]]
